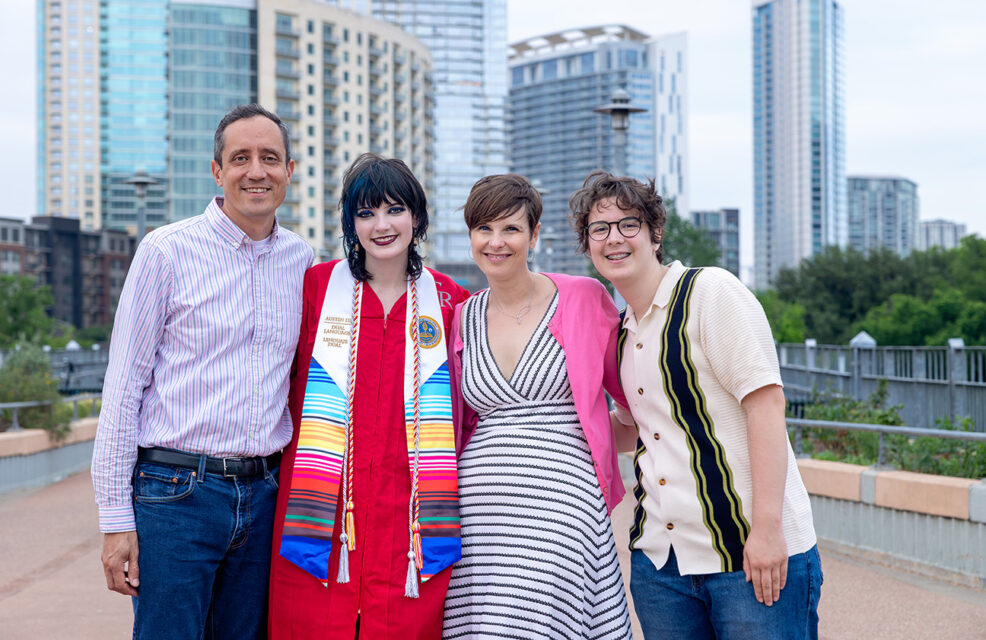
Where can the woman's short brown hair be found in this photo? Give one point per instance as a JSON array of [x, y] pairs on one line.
[[498, 196], [629, 194]]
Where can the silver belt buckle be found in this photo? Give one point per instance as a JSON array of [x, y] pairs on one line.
[[226, 473]]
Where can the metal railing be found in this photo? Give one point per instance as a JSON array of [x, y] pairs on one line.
[[798, 425], [15, 407], [929, 383]]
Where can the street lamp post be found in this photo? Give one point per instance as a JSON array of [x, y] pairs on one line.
[[141, 181], [619, 111]]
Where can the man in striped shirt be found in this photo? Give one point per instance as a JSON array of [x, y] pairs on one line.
[[194, 401], [722, 542]]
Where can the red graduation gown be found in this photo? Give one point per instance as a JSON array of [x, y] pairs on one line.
[[300, 607]]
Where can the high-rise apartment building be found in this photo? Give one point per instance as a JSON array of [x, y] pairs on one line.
[[799, 185], [468, 43], [669, 56], [167, 71], [556, 80], [883, 212], [723, 227], [68, 103], [945, 234]]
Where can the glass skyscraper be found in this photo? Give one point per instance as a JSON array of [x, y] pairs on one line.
[[556, 80], [212, 67], [134, 108], [468, 43], [798, 132], [883, 212]]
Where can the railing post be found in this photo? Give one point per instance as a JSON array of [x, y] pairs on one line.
[[15, 425], [810, 345], [94, 412], [881, 456], [797, 442], [860, 341], [956, 373], [75, 411]]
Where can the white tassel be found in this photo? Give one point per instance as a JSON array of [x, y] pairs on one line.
[[411, 586], [343, 576]]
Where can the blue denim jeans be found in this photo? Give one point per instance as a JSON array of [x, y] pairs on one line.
[[204, 553], [723, 605]]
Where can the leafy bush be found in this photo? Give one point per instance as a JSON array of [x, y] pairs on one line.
[[26, 377], [940, 456]]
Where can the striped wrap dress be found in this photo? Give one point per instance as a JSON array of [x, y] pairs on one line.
[[538, 555]]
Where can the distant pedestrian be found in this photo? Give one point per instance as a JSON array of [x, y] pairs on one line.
[[722, 542], [194, 402]]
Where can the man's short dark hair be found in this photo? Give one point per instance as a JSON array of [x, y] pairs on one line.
[[242, 112], [629, 194], [499, 196]]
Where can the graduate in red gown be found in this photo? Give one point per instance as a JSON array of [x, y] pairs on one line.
[[367, 522]]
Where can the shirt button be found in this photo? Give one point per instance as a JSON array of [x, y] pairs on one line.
[[669, 526], [662, 482], [640, 390], [640, 345], [657, 436]]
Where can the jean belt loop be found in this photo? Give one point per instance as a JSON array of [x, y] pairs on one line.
[[263, 460], [200, 475]]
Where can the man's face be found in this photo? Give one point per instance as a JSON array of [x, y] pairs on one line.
[[254, 175]]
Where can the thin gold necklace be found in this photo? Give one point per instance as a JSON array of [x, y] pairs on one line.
[[524, 310]]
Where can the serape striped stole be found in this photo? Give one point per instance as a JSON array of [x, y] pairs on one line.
[[314, 486]]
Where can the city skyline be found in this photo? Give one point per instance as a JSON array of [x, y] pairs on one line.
[[912, 101]]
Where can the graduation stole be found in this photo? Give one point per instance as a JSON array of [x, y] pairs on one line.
[[323, 468]]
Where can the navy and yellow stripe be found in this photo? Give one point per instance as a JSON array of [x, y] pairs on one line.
[[722, 510], [639, 515]]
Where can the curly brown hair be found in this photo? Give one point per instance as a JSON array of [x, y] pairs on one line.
[[629, 194]]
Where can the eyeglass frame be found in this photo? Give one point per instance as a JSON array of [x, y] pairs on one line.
[[609, 228]]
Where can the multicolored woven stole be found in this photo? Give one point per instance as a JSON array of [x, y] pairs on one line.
[[315, 484]]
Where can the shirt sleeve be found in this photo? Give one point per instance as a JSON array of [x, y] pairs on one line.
[[736, 336], [137, 331]]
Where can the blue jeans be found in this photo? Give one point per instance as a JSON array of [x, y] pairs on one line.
[[723, 605], [204, 553]]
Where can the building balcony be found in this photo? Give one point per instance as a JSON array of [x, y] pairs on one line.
[[400, 78], [330, 80], [400, 57], [375, 70], [286, 30], [377, 131], [330, 120], [331, 40], [376, 91], [379, 149], [286, 72], [288, 52], [330, 100], [399, 97], [289, 114], [375, 51], [400, 116], [288, 94], [332, 141], [331, 59], [377, 110]]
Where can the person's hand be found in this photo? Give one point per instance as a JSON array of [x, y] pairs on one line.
[[765, 562], [120, 562]]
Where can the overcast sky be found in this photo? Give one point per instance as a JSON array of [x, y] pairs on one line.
[[915, 94]]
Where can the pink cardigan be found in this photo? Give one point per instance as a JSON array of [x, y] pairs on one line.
[[585, 324]]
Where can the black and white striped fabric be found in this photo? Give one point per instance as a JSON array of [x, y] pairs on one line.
[[538, 555]]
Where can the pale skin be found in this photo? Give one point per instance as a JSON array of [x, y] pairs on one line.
[[254, 176], [630, 264], [519, 298], [385, 233]]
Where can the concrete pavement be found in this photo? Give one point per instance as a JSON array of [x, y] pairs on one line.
[[52, 587]]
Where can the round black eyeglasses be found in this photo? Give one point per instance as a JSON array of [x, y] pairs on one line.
[[600, 229]]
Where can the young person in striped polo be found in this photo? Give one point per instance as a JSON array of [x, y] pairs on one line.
[[722, 539]]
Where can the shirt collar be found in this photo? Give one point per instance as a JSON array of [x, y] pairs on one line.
[[227, 229], [661, 297]]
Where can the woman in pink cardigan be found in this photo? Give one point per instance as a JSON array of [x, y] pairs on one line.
[[538, 476]]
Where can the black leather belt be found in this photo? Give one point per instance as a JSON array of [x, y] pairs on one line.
[[226, 467]]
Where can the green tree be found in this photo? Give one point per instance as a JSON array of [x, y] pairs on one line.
[[26, 377], [684, 241], [787, 319], [23, 310]]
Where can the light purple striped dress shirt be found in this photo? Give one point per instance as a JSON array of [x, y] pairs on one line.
[[202, 344]]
